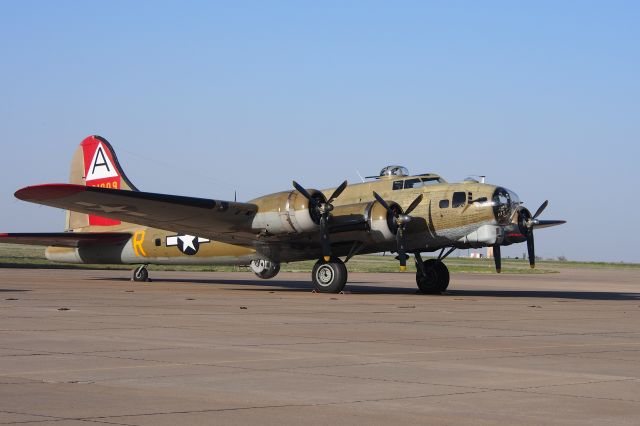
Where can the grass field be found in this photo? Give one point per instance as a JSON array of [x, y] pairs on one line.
[[17, 256]]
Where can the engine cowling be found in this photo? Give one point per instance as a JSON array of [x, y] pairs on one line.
[[516, 232], [287, 213], [382, 224], [371, 217]]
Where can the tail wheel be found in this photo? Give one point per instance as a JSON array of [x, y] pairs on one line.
[[141, 274], [435, 278], [329, 277], [265, 269]]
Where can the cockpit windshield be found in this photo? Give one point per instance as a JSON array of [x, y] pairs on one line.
[[416, 182]]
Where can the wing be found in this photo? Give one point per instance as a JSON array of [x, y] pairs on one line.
[[220, 220], [65, 239]]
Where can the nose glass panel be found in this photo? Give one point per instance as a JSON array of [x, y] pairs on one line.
[[505, 203]]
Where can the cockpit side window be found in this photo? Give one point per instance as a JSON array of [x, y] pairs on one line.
[[443, 204], [431, 181], [412, 183], [415, 183], [459, 199], [420, 182]]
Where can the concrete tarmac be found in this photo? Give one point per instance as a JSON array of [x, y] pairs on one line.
[[84, 347]]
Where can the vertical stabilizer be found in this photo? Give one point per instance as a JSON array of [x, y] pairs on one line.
[[94, 163]]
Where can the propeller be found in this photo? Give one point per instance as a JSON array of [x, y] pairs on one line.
[[401, 220], [530, 223], [323, 209], [521, 230]]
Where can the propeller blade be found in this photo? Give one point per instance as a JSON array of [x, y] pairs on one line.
[[337, 192], [541, 209], [401, 220], [324, 209], [547, 223], [497, 257], [324, 239], [531, 250], [414, 204], [304, 192], [402, 256], [382, 202]]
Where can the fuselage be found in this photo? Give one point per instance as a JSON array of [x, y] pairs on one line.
[[466, 214]]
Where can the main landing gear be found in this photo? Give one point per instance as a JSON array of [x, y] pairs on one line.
[[141, 274], [432, 276], [329, 276]]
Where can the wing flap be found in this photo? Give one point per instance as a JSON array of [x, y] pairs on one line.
[[196, 216], [65, 239]]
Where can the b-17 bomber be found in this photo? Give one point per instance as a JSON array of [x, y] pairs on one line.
[[110, 221]]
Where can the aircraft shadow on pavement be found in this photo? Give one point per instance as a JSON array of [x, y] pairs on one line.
[[304, 286], [289, 285], [548, 294], [354, 288]]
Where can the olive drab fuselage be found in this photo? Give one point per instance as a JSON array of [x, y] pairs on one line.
[[450, 214], [110, 221]]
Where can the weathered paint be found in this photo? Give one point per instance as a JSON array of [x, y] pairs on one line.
[[279, 239], [282, 229]]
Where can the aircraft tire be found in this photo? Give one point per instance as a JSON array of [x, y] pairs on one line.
[[141, 274], [329, 277], [443, 276], [265, 269], [436, 279]]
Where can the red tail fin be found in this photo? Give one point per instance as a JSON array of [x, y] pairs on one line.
[[100, 167]]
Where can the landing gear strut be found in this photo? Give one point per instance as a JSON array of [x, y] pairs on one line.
[[141, 274], [329, 277], [432, 276]]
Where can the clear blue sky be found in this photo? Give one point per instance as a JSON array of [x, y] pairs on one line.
[[204, 98]]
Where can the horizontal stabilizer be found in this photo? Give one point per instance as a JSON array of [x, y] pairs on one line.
[[65, 239]]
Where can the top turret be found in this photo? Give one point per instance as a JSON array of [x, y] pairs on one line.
[[394, 171]]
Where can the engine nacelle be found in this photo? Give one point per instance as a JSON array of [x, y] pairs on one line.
[[287, 213], [516, 232], [382, 224], [371, 217]]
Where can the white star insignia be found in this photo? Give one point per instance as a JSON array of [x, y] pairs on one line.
[[187, 242], [109, 209]]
